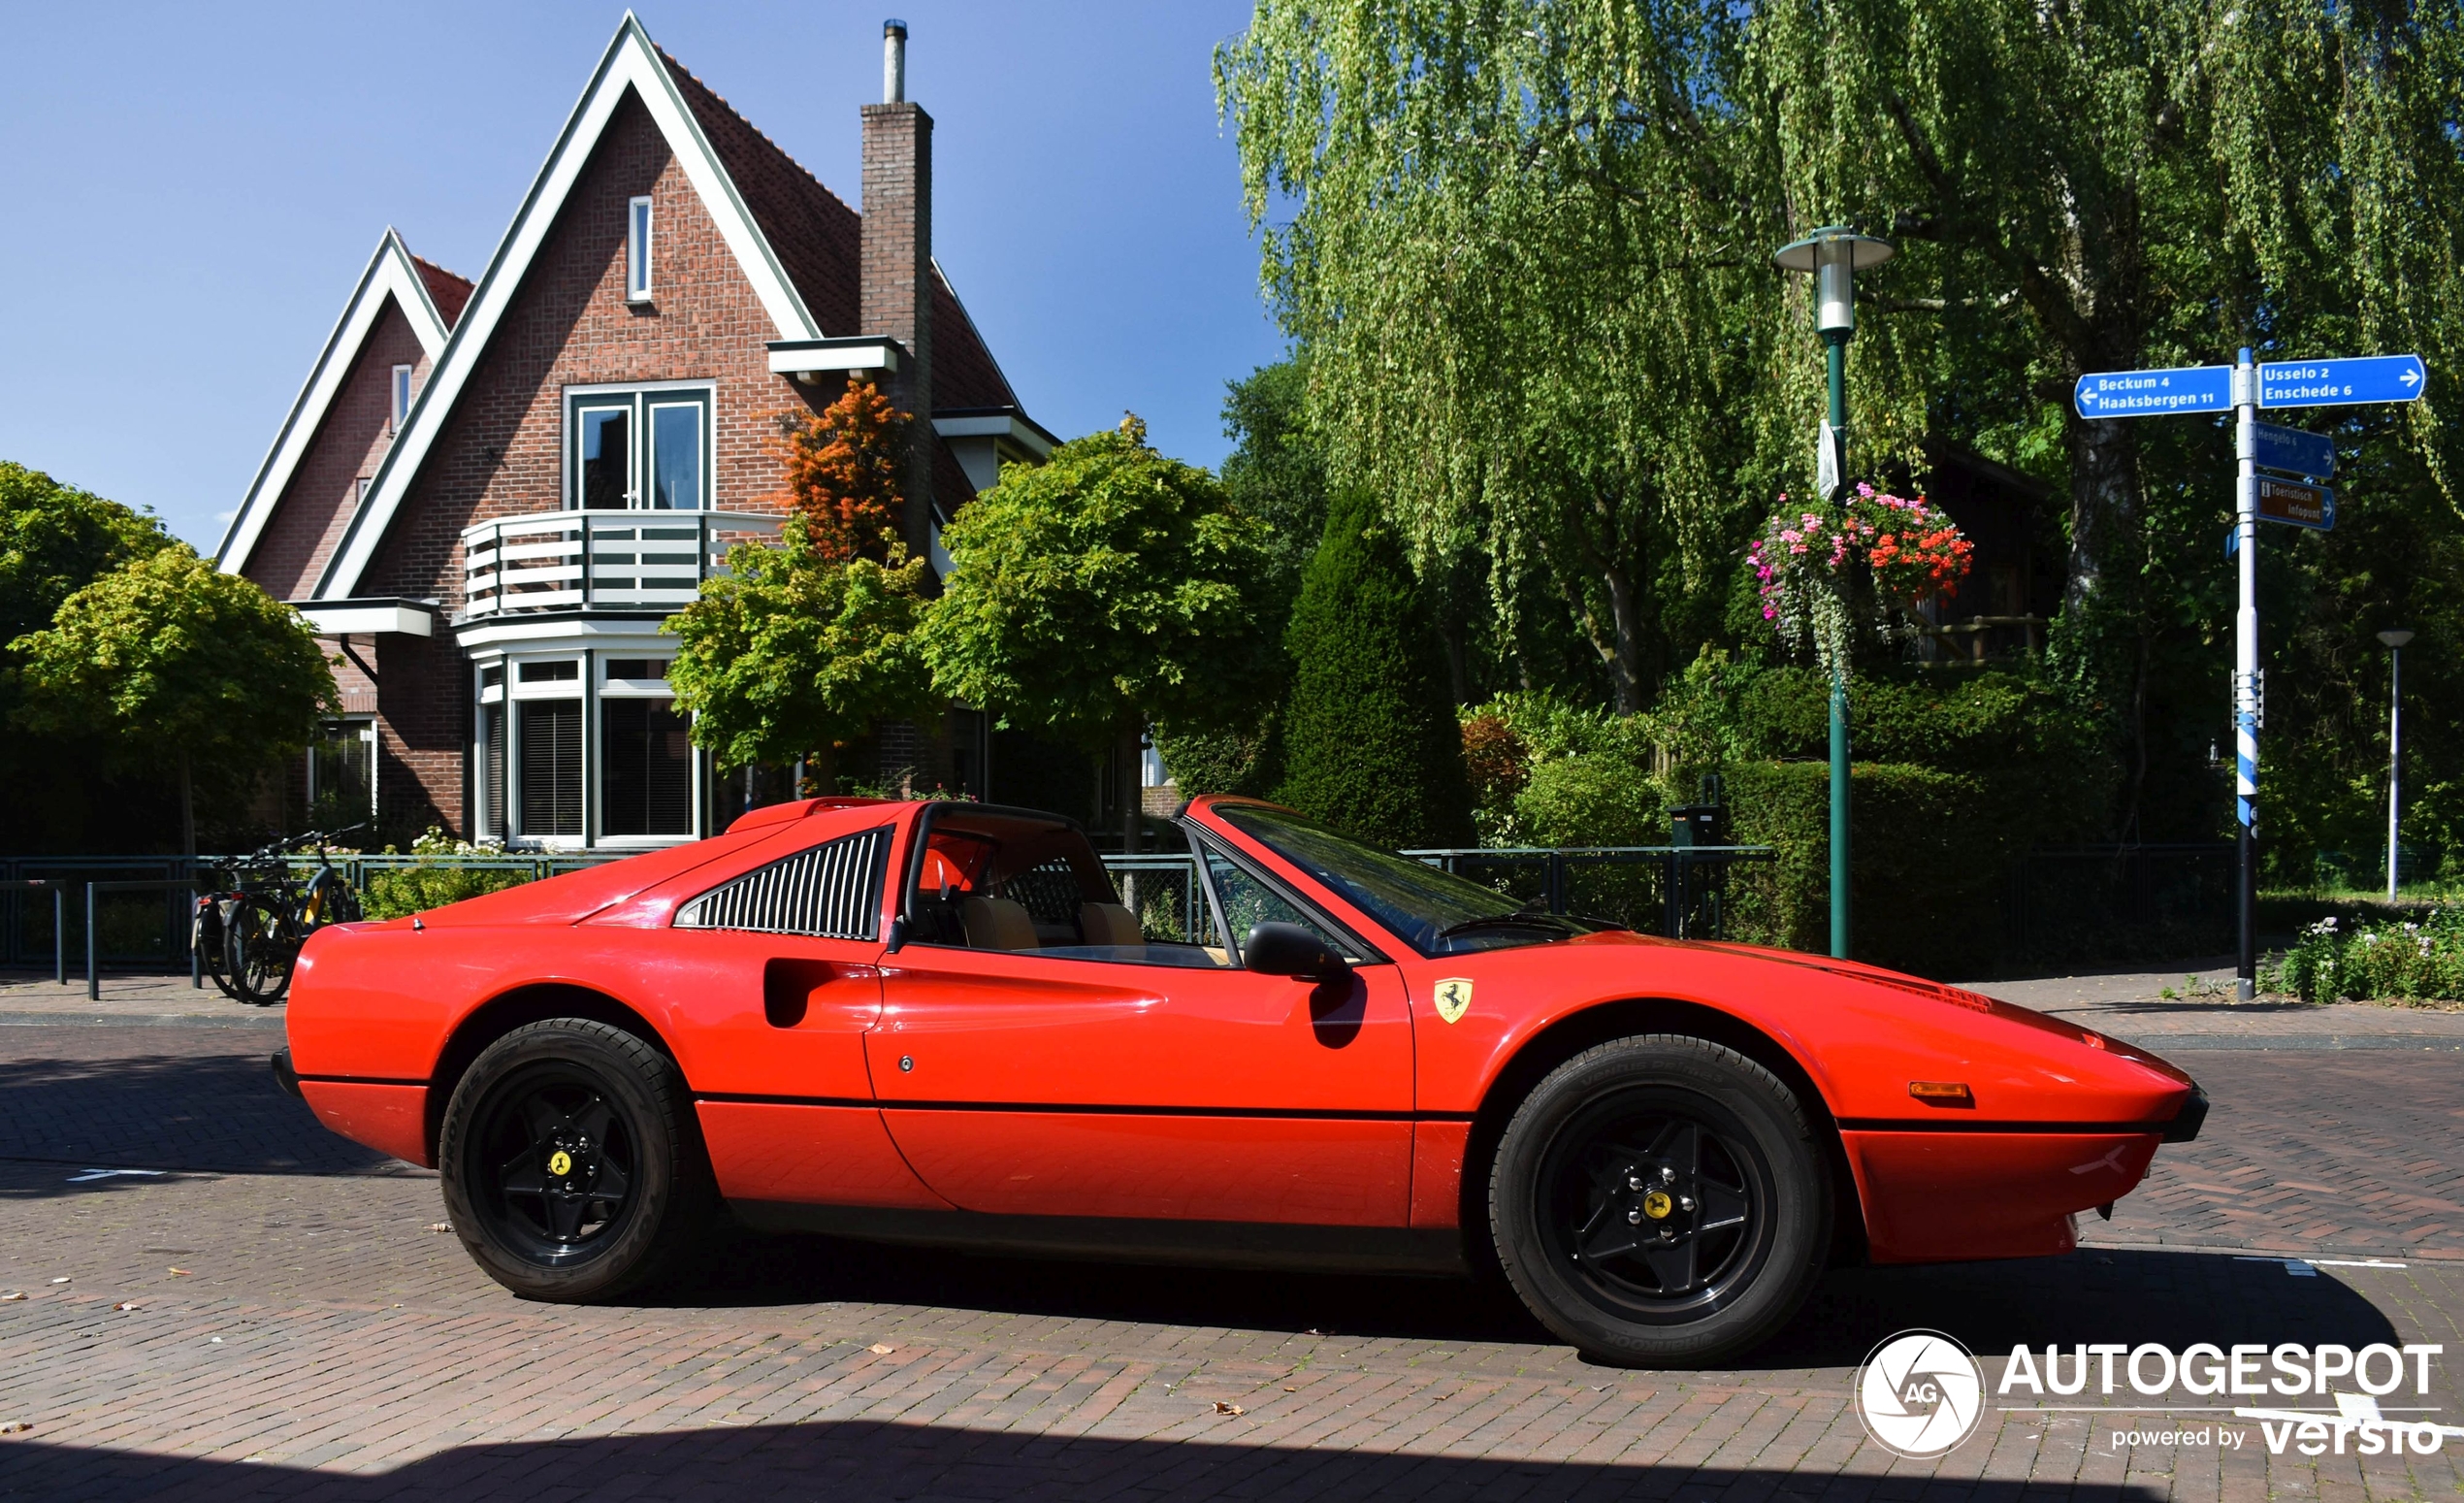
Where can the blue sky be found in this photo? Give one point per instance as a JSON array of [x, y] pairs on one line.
[[193, 190]]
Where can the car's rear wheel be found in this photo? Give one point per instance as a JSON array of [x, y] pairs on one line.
[[1661, 1200], [572, 1166]]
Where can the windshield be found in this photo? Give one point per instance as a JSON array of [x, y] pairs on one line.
[[1433, 911]]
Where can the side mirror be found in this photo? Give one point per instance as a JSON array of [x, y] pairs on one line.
[[1289, 950], [898, 935]]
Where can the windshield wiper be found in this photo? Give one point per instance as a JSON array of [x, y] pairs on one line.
[[1520, 918]]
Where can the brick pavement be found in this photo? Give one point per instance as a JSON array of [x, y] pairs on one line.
[[360, 1355]]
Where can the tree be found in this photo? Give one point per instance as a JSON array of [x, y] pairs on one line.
[[1534, 295], [842, 467], [1275, 472], [1371, 743], [1527, 248], [54, 541], [173, 661], [1104, 589], [797, 648]]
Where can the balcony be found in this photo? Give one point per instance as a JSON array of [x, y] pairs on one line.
[[571, 561]]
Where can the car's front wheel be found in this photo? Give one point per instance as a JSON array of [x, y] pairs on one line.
[[571, 1167], [1661, 1200]]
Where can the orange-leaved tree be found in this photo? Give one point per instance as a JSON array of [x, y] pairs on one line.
[[843, 466]]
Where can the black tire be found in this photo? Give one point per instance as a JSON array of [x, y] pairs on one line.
[[573, 1167], [258, 951], [206, 938], [1661, 1201]]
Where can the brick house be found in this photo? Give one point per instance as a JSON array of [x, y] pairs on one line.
[[489, 495]]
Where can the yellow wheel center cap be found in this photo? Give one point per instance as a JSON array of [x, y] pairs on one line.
[[1654, 1205], [561, 1162]]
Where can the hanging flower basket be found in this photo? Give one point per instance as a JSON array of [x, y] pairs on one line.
[[1815, 566]]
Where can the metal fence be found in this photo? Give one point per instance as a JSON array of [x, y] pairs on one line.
[[1679, 891], [146, 926]]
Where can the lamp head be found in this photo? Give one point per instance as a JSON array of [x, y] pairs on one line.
[[1834, 254], [2396, 638]]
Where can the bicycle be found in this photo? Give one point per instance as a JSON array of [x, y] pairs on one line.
[[209, 923], [262, 929]]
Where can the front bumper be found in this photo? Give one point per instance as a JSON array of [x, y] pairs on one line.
[[2186, 1124], [285, 1076]]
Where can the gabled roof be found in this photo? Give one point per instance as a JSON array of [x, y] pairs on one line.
[[796, 242], [631, 65], [421, 289]]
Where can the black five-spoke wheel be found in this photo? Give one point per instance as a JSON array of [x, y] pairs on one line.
[[572, 1170], [1660, 1199], [566, 1175], [1659, 1211]]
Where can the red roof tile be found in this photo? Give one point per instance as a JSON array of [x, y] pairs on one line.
[[819, 243], [446, 289]]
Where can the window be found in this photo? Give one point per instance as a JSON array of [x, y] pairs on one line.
[[676, 456], [832, 892], [343, 774], [988, 880], [1434, 912], [361, 495], [637, 251], [645, 768], [1246, 901], [551, 732], [402, 398], [639, 449], [607, 458], [546, 754]]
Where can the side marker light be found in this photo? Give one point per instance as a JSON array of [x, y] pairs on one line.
[[1942, 1093]]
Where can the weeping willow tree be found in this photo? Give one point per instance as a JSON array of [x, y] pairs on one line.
[[1527, 241], [1522, 257]]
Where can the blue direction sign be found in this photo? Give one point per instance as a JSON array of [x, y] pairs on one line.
[[2336, 383], [2295, 449], [2197, 388]]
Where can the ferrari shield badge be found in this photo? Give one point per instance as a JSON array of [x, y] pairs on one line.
[[1454, 998]]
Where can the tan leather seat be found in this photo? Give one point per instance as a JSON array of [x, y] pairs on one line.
[[996, 924], [1109, 923]]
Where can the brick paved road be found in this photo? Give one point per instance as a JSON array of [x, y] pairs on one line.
[[360, 1355]]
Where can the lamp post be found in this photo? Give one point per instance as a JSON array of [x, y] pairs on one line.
[[2394, 640], [1832, 255]]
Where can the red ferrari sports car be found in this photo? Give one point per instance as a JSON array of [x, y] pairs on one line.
[[941, 1023]]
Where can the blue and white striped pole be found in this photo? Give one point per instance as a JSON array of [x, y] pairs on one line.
[[2246, 679]]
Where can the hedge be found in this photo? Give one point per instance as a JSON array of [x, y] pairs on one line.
[[1933, 850]]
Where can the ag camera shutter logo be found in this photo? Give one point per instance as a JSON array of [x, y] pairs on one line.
[[1919, 1394]]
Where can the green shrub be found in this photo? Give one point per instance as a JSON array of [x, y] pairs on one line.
[[1591, 799], [1370, 739], [1222, 762], [2390, 963], [437, 880]]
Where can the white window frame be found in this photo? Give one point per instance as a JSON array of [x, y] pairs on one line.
[[484, 693], [637, 248], [516, 691], [402, 395], [362, 728], [611, 687], [639, 398]]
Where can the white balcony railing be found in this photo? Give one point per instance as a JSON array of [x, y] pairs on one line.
[[599, 560]]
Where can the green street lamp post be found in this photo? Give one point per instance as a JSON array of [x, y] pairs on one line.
[[1833, 256]]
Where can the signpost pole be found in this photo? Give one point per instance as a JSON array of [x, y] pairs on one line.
[[2246, 670]]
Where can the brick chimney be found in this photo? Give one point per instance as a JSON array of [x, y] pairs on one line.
[[895, 270]]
